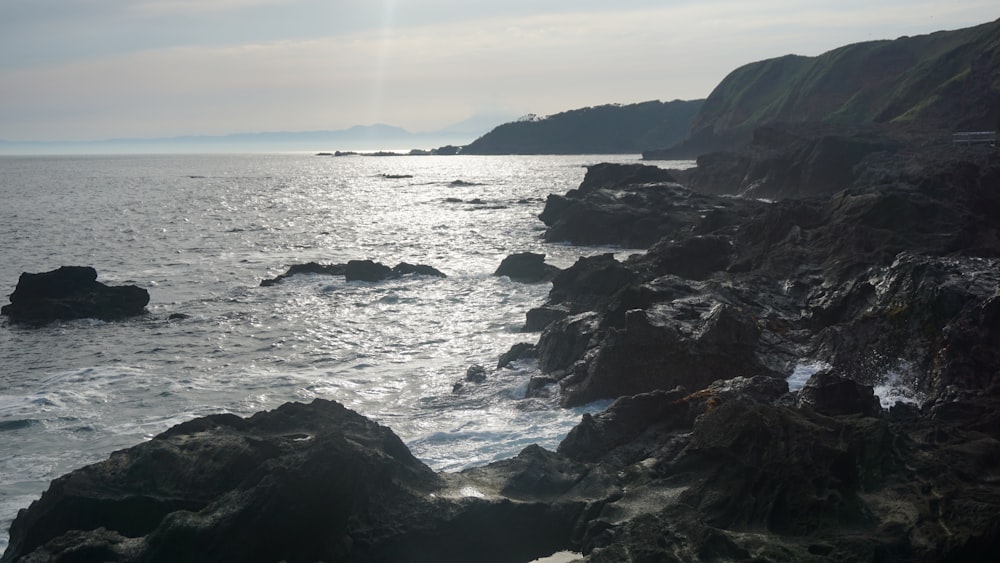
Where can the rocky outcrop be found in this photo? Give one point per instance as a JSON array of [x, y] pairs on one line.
[[900, 264], [705, 453], [785, 161], [72, 292], [357, 270], [527, 267], [739, 479], [313, 482], [642, 207], [742, 470]]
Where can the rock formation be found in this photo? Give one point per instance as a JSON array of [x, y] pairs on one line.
[[875, 277], [356, 270], [527, 267], [313, 482], [706, 454], [741, 470], [72, 292]]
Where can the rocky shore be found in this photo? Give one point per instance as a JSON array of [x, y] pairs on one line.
[[885, 274]]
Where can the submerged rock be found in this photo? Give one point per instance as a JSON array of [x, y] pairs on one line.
[[72, 292]]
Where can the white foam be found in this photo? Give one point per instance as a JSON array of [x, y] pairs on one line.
[[893, 388], [803, 371]]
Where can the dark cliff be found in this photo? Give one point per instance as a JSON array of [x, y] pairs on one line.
[[948, 80], [607, 129]]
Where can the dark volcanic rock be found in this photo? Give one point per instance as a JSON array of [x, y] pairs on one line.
[[659, 353], [519, 351], [526, 267], [307, 268], [729, 474], [886, 278], [405, 269], [357, 270], [311, 482], [72, 292], [783, 162], [832, 394], [721, 474], [704, 455], [634, 206], [366, 270], [591, 281], [616, 176]]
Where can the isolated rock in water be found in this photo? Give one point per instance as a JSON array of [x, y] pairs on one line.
[[366, 270], [357, 270], [72, 292], [405, 269], [369, 271], [527, 267], [307, 268], [475, 374]]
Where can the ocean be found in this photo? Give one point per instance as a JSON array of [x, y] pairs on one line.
[[200, 232]]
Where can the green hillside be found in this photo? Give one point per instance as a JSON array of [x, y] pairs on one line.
[[604, 129], [947, 80]]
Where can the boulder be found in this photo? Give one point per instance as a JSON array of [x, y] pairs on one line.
[[405, 269], [658, 352], [527, 267], [313, 482], [72, 292], [519, 351]]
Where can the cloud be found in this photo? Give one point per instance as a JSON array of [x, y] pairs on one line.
[[196, 7], [424, 75]]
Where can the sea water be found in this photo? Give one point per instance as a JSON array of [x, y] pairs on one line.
[[201, 232]]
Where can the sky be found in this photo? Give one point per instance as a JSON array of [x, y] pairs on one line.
[[75, 70]]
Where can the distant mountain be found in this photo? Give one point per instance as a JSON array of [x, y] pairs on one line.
[[604, 129], [948, 80], [360, 137]]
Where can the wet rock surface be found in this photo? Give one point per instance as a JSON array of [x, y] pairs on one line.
[[896, 273], [72, 292]]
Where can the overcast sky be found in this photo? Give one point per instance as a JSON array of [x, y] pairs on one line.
[[98, 69]]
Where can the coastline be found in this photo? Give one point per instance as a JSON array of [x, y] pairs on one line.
[[707, 453]]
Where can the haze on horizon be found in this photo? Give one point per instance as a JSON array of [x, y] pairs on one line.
[[102, 69]]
